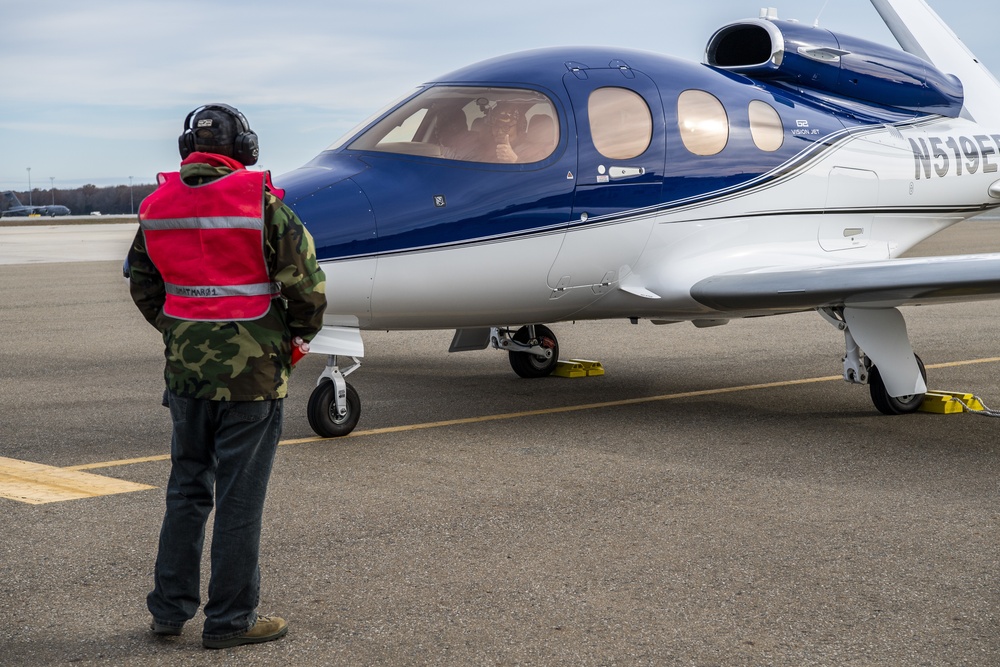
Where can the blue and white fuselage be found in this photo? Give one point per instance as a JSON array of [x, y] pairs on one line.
[[787, 173]]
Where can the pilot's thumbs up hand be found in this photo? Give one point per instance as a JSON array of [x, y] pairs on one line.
[[504, 151]]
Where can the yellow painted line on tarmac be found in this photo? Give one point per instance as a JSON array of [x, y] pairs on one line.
[[609, 404], [567, 408], [37, 484], [542, 411], [968, 362], [122, 462]]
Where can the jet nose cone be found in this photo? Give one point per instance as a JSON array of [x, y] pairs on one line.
[[323, 172], [333, 207]]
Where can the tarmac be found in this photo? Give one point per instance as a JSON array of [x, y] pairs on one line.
[[719, 497]]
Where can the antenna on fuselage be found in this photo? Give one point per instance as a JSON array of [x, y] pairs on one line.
[[821, 10], [769, 13]]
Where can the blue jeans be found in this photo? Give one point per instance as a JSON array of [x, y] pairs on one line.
[[228, 445]]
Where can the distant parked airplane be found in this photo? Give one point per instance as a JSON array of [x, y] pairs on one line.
[[16, 208]]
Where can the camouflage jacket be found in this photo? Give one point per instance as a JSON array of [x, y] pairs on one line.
[[237, 361]]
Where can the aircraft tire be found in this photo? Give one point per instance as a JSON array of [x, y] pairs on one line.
[[532, 365], [893, 405], [322, 418]]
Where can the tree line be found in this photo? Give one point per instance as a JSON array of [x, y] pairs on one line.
[[111, 200]]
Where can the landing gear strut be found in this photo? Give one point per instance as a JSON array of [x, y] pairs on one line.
[[885, 332]]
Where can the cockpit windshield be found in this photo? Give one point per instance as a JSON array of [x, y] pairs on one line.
[[472, 124]]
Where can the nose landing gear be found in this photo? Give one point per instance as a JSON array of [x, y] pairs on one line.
[[334, 405]]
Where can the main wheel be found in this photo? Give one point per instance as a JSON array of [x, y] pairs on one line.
[[322, 411], [529, 365], [893, 405]]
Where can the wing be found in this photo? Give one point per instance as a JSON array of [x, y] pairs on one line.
[[883, 284]]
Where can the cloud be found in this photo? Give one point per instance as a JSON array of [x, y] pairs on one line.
[[99, 89]]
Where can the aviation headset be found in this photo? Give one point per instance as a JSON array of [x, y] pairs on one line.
[[245, 147]]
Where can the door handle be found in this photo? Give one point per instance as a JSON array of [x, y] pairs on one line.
[[625, 172]]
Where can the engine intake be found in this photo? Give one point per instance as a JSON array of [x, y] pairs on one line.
[[811, 58]]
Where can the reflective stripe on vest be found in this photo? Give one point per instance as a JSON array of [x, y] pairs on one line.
[[221, 290], [205, 223], [207, 241]]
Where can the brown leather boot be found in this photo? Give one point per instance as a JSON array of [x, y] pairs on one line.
[[266, 629]]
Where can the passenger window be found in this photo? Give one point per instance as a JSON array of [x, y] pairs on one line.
[[765, 126], [472, 124], [621, 124], [703, 122]]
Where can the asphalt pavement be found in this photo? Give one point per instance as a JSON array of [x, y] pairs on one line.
[[719, 497]]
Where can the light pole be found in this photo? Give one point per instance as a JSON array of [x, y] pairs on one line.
[[130, 200], [52, 188], [29, 186]]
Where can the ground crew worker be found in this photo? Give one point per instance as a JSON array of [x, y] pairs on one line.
[[228, 274]]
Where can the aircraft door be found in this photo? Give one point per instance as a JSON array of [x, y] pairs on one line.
[[851, 197], [620, 130]]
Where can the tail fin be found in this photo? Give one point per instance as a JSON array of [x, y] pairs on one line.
[[920, 31], [11, 198]]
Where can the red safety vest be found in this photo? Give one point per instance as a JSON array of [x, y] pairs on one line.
[[207, 241]]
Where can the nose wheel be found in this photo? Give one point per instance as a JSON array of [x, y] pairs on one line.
[[324, 417], [334, 406]]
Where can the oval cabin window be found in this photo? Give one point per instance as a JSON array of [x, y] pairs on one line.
[[621, 124], [765, 126], [703, 122]]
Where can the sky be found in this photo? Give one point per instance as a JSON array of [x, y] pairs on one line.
[[96, 92]]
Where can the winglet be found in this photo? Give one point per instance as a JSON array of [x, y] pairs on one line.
[[921, 32]]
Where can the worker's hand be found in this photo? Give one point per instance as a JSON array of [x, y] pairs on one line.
[[300, 348]]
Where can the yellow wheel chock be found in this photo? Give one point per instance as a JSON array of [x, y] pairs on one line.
[[578, 368], [950, 402]]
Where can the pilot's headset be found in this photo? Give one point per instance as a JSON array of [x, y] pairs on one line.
[[240, 140]]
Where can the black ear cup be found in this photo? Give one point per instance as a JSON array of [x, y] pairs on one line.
[[245, 147], [185, 142]]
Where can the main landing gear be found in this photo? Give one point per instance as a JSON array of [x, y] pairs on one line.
[[884, 333], [893, 405], [533, 349]]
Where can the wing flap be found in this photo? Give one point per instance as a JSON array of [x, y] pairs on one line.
[[884, 284]]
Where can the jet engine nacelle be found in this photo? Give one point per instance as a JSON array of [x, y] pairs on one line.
[[793, 54]]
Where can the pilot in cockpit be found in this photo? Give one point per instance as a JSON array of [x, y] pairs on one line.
[[503, 136]]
